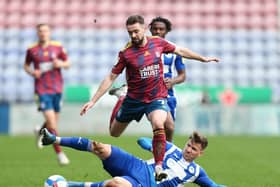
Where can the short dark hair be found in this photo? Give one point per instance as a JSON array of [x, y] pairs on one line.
[[196, 137], [135, 19], [163, 20], [38, 26]]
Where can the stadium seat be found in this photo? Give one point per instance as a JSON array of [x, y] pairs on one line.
[[59, 7], [12, 20], [242, 33], [13, 6]]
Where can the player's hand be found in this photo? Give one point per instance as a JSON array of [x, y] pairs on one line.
[[86, 107], [210, 59], [36, 73], [168, 83], [57, 63], [99, 149]]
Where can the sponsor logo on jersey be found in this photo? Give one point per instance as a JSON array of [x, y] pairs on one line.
[[150, 71]]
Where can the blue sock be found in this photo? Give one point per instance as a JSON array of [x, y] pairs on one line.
[[81, 144], [82, 184], [75, 184], [98, 184]]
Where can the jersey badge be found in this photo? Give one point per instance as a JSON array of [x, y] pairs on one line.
[[191, 169]]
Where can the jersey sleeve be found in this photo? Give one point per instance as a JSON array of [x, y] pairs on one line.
[[28, 57], [63, 54], [118, 68], [168, 47], [179, 64], [203, 180]]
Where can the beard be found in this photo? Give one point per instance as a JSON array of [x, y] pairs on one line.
[[137, 42]]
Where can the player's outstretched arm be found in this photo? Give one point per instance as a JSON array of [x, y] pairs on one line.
[[205, 181], [187, 53], [102, 89], [146, 143]]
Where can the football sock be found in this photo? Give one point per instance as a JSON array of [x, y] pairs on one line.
[[85, 184], [116, 108], [98, 184], [159, 143], [79, 143], [56, 147]]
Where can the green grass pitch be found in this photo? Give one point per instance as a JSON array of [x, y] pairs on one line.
[[233, 161]]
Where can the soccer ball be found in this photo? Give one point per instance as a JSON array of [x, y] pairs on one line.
[[56, 181]]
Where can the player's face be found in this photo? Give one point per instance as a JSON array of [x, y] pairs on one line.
[[136, 33], [192, 150], [158, 29], [43, 33]]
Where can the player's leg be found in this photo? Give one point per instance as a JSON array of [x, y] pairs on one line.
[[115, 161], [101, 150], [169, 124], [159, 141], [128, 110], [62, 158], [114, 182], [119, 181], [51, 125], [50, 106], [117, 128], [157, 114], [38, 129], [169, 127], [116, 109], [157, 119]]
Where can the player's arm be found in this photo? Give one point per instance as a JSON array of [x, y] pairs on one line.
[[204, 181], [187, 53], [102, 89], [28, 69], [58, 63], [36, 73], [181, 74], [146, 143], [62, 60]]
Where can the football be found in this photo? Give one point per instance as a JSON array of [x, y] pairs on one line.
[[55, 181]]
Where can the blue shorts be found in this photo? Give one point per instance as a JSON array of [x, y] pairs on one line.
[[49, 102], [132, 109], [172, 103], [129, 167]]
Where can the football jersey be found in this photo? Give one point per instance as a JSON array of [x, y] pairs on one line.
[[51, 80], [181, 171], [144, 69], [171, 62]]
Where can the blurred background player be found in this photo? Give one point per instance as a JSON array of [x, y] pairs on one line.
[[147, 92], [130, 171], [160, 27], [48, 57]]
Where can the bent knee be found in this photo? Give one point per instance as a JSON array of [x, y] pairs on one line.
[[114, 134], [118, 182]]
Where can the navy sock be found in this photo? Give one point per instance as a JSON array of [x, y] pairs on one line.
[[81, 144]]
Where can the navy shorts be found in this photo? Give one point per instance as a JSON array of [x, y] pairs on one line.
[[132, 109], [49, 102], [129, 167]]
